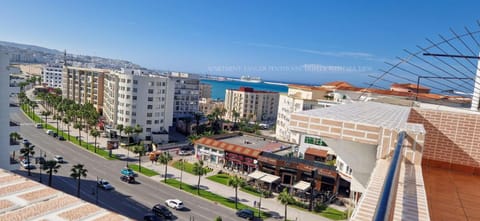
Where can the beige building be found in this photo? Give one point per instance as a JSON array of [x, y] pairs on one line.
[[84, 85], [301, 98], [259, 106], [207, 105], [205, 90]]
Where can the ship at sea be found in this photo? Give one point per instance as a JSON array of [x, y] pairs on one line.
[[251, 79]]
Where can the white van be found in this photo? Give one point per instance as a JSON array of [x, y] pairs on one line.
[[50, 132]]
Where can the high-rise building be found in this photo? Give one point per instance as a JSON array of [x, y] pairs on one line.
[[6, 149], [205, 90], [138, 97], [187, 91], [258, 106], [207, 105], [52, 75], [84, 85]]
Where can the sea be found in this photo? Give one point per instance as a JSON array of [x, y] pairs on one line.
[[219, 87]]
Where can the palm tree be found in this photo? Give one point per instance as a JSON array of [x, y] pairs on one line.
[[140, 150], [198, 117], [57, 117], [28, 151], [235, 182], [77, 172], [66, 120], [235, 115], [137, 130], [192, 139], [52, 167], [95, 133], [164, 158], [128, 131], [199, 170], [120, 129], [79, 126], [285, 198], [45, 114], [14, 136]]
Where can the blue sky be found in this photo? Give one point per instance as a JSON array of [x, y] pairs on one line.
[[344, 40]]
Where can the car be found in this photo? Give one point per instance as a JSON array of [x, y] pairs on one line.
[[246, 214], [54, 134], [127, 172], [162, 211], [61, 138], [174, 204], [59, 159], [185, 152], [128, 179], [104, 184], [40, 160], [49, 132], [25, 142], [27, 164], [39, 126], [151, 217]]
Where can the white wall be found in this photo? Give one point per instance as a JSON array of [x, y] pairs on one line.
[[5, 148]]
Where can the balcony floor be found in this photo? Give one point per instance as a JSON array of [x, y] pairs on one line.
[[452, 195]]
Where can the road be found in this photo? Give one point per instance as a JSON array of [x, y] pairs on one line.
[[131, 200]]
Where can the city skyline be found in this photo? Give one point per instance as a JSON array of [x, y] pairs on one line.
[[316, 42]]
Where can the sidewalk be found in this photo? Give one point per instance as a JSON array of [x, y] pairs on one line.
[[271, 205]]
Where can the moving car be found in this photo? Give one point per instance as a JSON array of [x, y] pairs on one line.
[[174, 203], [127, 172], [246, 214], [50, 132], [25, 142], [128, 179], [162, 211], [39, 126], [104, 184], [59, 159], [151, 217], [26, 164]]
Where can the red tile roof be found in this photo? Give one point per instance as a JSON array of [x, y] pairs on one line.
[[316, 152], [229, 147], [410, 86], [338, 84]]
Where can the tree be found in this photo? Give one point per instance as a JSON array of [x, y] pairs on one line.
[[137, 130], [198, 117], [45, 114], [120, 129], [235, 115], [192, 139], [128, 131], [199, 170], [66, 120], [235, 182], [219, 218], [79, 126], [285, 198], [77, 172], [28, 151], [52, 167], [14, 136], [164, 158], [95, 133], [140, 150]]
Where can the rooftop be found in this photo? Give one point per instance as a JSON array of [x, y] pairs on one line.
[[24, 199], [256, 143], [371, 113]]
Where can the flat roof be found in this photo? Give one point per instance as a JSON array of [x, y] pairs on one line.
[[253, 142], [371, 113], [25, 199]]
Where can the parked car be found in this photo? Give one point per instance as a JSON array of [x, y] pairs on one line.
[[186, 152], [162, 211], [61, 138], [246, 214], [128, 179], [49, 132], [151, 217], [40, 160], [174, 204], [59, 159], [104, 184], [127, 172], [39, 126], [25, 142], [27, 164]]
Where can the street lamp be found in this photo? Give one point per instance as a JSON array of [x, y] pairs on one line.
[[181, 171]]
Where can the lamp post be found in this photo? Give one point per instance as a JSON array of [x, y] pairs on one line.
[[181, 171]]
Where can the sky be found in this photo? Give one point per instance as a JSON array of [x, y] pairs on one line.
[[290, 41]]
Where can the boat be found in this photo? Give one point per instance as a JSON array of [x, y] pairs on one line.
[[251, 79]]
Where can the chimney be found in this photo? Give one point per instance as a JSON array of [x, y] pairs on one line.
[[476, 89]]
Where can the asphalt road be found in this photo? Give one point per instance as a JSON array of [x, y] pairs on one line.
[[131, 200]]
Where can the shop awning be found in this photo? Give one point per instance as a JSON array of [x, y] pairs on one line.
[[302, 185], [269, 178], [257, 174]]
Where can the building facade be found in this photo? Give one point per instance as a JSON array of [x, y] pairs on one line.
[[207, 105], [258, 106], [52, 75], [205, 90], [186, 94], [84, 85], [5, 129], [137, 97]]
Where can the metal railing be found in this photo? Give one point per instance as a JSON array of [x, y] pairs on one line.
[[384, 210]]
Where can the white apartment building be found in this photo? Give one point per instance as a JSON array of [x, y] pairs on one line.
[[5, 129], [84, 85], [300, 98], [187, 92], [52, 75], [259, 106], [207, 105], [138, 97]]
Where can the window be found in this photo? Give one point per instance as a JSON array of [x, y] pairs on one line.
[[149, 122], [150, 98], [135, 82], [149, 114], [156, 122], [150, 91], [134, 90], [315, 141], [149, 107], [134, 98]]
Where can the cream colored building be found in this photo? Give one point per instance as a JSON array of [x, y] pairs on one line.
[[259, 106], [84, 85], [205, 90], [207, 105]]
